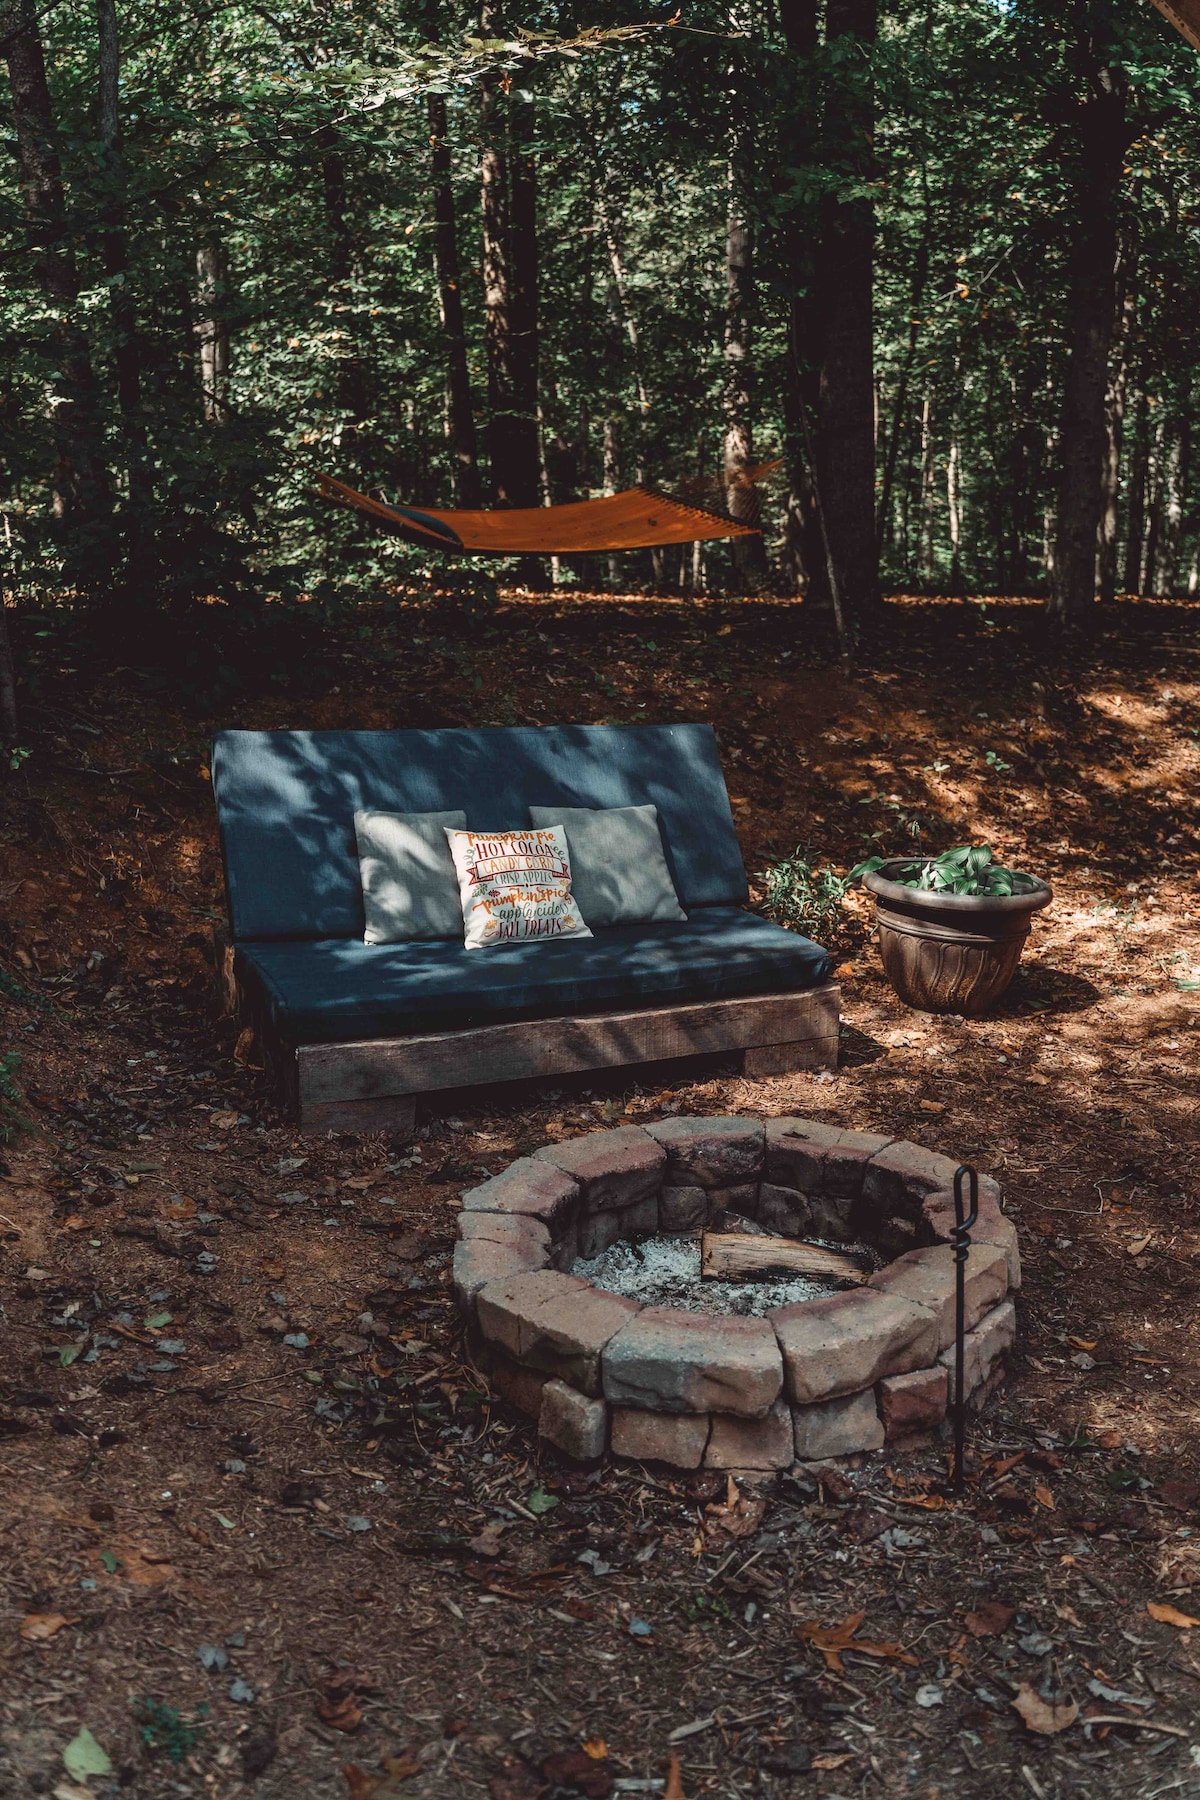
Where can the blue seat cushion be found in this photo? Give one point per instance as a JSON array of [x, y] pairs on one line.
[[337, 990], [286, 802]]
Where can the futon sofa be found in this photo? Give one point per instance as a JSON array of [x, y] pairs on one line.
[[353, 1032]]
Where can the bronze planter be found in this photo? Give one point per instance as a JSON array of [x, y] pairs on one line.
[[952, 953]]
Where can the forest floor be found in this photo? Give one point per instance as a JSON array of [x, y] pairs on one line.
[[259, 1519]]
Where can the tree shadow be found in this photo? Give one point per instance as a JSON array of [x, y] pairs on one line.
[[1039, 988]]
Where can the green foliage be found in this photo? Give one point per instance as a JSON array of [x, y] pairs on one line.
[[13, 1118], [299, 143], [804, 898], [969, 870], [165, 1729]]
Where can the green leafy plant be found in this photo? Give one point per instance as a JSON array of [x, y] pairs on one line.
[[13, 1119], [804, 898], [969, 869], [166, 1729]]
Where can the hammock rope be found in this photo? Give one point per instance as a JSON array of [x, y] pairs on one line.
[[638, 519]]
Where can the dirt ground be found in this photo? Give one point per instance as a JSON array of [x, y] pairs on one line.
[[263, 1530]]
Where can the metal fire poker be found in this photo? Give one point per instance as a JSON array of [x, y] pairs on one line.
[[962, 1245]]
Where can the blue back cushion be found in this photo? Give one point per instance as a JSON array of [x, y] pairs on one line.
[[286, 802]]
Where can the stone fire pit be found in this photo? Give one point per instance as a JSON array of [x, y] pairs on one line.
[[824, 1377]]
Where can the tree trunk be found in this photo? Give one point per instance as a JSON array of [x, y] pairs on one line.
[[80, 479], [509, 205], [1135, 519], [9, 722], [844, 281], [1174, 486], [900, 404], [463, 442], [1104, 135], [798, 152], [749, 553], [354, 385], [128, 351], [1154, 494], [212, 329], [1114, 431]]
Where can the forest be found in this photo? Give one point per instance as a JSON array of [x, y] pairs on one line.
[[936, 257]]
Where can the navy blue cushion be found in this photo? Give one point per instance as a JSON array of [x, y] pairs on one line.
[[286, 802], [337, 990]]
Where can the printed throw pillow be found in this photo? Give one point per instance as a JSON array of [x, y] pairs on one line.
[[410, 890], [514, 886], [619, 873]]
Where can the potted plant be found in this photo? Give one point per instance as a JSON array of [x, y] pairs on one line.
[[951, 927]]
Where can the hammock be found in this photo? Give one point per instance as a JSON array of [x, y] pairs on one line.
[[638, 519]]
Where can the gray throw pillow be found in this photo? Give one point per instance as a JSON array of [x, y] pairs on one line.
[[410, 889], [619, 871]]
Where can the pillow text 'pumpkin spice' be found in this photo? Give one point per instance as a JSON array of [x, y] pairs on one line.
[[515, 886]]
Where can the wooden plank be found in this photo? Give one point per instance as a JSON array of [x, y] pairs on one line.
[[396, 1113], [541, 1047], [781, 1059], [741, 1256]]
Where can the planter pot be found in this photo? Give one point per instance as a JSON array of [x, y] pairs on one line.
[[950, 952]]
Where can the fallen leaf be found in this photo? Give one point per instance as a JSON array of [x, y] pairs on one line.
[[83, 1756], [337, 1699], [831, 1762], [990, 1618], [1046, 1717], [1170, 1615], [381, 1787], [844, 971], [674, 1787], [596, 1748], [831, 1641], [1044, 1497], [737, 1516], [1077, 1343], [223, 1121], [1136, 1245], [932, 1106], [37, 1627]]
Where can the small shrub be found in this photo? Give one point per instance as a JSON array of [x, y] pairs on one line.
[[165, 1729], [13, 1118], [806, 899]]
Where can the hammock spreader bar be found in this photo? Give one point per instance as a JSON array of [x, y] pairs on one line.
[[638, 519]]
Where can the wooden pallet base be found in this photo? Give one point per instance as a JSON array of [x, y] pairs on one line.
[[372, 1086]]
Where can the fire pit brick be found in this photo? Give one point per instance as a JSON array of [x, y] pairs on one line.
[[682, 1208], [572, 1422], [613, 1168], [676, 1438], [991, 1227], [680, 1362], [480, 1261], [508, 1307], [526, 1186], [901, 1173], [846, 1342], [837, 1428], [995, 1333], [520, 1386], [823, 1378], [559, 1324], [597, 1232], [783, 1210], [751, 1443], [640, 1219], [927, 1278], [913, 1405], [710, 1153]]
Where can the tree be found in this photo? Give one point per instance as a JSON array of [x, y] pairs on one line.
[[1103, 130], [80, 482]]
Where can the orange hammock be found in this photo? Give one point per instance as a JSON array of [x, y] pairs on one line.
[[636, 520]]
